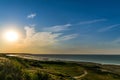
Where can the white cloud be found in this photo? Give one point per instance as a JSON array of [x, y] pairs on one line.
[[32, 25], [116, 41], [91, 21], [108, 28], [68, 37], [111, 44], [30, 16], [41, 39], [29, 31], [57, 28]]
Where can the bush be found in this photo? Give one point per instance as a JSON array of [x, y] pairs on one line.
[[10, 70]]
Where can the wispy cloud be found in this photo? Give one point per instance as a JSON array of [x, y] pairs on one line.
[[108, 28], [41, 39], [68, 37], [34, 38], [31, 16], [116, 41], [32, 25], [57, 28], [91, 21]]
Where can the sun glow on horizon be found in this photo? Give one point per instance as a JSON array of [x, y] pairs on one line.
[[11, 36]]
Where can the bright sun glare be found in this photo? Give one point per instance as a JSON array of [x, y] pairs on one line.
[[11, 36]]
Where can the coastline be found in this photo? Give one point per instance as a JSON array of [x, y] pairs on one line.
[[70, 70], [41, 58]]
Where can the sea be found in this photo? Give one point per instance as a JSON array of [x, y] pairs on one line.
[[102, 59]]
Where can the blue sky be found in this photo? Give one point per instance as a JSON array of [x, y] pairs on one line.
[[76, 26]]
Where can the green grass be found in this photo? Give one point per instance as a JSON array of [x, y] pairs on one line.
[[14, 68], [102, 76]]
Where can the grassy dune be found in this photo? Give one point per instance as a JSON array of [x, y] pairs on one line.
[[14, 68]]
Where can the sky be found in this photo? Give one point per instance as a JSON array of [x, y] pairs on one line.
[[61, 26]]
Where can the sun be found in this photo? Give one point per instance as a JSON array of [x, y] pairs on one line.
[[11, 36]]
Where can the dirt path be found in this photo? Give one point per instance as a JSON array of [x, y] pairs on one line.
[[81, 76]]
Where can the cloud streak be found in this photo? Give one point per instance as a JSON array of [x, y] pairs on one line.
[[68, 37], [34, 38], [115, 41], [91, 21], [108, 28], [42, 39], [31, 16], [57, 28]]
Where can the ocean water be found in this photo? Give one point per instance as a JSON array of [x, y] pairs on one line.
[[103, 59]]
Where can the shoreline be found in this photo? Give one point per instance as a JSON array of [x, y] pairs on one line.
[[58, 59], [67, 69]]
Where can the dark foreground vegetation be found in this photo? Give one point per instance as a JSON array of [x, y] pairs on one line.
[[14, 68]]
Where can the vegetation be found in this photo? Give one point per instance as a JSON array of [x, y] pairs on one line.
[[15, 68]]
